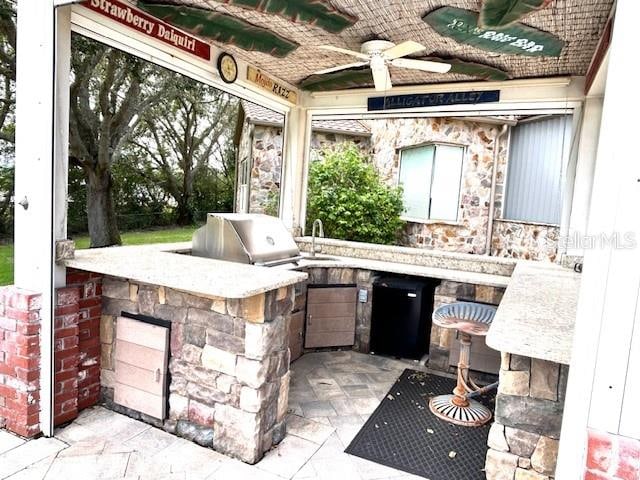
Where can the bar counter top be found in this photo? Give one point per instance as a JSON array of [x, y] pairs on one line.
[[537, 313]]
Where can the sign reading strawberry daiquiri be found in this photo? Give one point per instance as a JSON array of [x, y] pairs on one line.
[[144, 23]]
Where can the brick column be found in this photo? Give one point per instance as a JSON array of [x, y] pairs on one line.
[[612, 457], [89, 286], [66, 355], [20, 361]]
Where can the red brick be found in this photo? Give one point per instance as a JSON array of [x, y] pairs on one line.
[[23, 362], [6, 369], [8, 324], [66, 374], [599, 451], [64, 321], [66, 332], [27, 375], [28, 329], [22, 315], [67, 296], [90, 302], [66, 310], [628, 465], [65, 417], [77, 277]]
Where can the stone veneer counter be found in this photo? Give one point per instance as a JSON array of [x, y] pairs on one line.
[[537, 313], [160, 265], [423, 257], [452, 275]]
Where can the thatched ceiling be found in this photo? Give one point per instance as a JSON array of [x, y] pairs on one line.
[[578, 22]]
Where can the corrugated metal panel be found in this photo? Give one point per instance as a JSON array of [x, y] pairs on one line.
[[537, 159]]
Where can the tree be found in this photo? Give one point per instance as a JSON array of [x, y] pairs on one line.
[[109, 93], [347, 194], [187, 140], [7, 71]]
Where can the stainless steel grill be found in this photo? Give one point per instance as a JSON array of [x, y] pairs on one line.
[[246, 238]]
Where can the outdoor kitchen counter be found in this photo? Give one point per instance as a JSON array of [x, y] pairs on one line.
[[537, 313], [161, 265]]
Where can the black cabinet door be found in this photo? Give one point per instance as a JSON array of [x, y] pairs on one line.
[[401, 317]]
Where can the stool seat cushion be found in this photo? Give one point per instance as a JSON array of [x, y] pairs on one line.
[[468, 317]]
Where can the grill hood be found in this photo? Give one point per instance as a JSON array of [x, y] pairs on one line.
[[246, 238]]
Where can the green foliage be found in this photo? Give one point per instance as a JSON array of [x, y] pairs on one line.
[[222, 28], [314, 12], [347, 194], [501, 13], [272, 204]]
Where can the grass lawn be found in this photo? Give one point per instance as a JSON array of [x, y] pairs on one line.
[[165, 235]]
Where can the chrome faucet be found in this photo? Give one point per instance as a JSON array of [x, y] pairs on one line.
[[316, 223]]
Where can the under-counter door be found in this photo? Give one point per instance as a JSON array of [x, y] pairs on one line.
[[331, 316], [141, 358]]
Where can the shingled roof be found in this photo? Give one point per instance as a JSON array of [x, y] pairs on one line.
[[263, 116]]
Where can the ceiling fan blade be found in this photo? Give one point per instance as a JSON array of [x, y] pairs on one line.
[[403, 49], [425, 65], [344, 50], [341, 67], [381, 78]]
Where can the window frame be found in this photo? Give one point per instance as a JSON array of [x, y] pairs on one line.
[[435, 144]]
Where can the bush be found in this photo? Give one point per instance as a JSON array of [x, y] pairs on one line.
[[347, 194]]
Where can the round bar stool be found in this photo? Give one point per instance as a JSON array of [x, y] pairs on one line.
[[469, 319]]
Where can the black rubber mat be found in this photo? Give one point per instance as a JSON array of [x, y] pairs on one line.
[[402, 433]]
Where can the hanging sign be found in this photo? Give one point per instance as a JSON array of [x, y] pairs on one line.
[[422, 100], [516, 39], [265, 82], [150, 26]]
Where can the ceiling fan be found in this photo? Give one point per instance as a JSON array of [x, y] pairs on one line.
[[379, 54]]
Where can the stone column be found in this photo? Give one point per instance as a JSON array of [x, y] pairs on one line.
[[523, 441]]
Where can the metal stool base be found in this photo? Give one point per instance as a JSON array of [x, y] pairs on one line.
[[474, 414]]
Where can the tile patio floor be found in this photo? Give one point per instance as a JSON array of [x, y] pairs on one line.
[[331, 396]]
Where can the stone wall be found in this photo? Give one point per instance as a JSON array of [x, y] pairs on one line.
[[523, 441], [525, 241], [266, 170], [468, 234], [264, 145], [20, 361], [229, 363]]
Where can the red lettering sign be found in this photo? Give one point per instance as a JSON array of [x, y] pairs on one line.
[[150, 26]]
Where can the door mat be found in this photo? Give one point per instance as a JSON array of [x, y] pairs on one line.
[[402, 433]]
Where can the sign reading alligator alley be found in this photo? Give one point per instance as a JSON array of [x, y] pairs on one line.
[[150, 26], [422, 100]]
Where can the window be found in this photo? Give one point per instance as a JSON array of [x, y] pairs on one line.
[[537, 159], [430, 177]]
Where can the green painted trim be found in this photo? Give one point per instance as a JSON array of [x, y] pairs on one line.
[[502, 13], [221, 28], [312, 12], [518, 39], [341, 80]]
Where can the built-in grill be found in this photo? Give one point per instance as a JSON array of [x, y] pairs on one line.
[[245, 237]]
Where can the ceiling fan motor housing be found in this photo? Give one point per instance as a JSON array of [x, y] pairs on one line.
[[373, 46]]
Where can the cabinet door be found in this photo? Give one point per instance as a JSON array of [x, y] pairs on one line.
[[142, 352], [296, 334], [331, 317]]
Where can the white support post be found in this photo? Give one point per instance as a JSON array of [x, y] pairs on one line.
[[38, 218], [600, 373], [293, 171]]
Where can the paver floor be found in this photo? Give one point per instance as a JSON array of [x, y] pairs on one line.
[[331, 396]]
